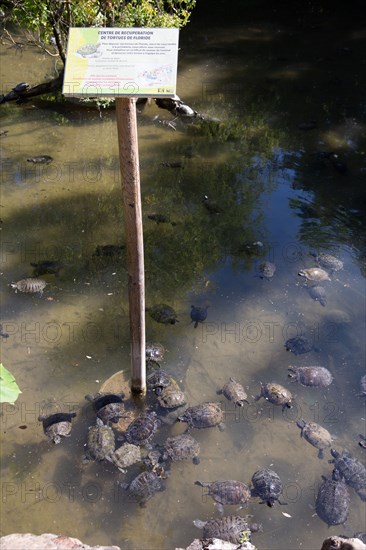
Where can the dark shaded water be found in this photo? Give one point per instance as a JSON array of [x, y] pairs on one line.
[[263, 77]]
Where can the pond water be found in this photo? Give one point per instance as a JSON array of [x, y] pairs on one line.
[[285, 91]]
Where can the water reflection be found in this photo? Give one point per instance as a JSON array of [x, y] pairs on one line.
[[270, 186]]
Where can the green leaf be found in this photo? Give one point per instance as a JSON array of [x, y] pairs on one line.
[[9, 389]]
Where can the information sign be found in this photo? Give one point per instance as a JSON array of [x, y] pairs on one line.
[[133, 62]]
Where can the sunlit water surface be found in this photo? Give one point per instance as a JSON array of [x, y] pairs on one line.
[[269, 78]]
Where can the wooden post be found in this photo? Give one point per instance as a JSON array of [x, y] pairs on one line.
[[129, 165]]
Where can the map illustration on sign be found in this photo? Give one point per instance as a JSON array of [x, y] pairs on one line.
[[134, 62]]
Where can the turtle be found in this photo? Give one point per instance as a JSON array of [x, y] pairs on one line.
[[108, 406], [332, 501], [30, 285], [162, 313], [154, 353], [228, 492], [316, 435], [181, 447], [172, 164], [204, 415], [327, 261], [126, 455], [211, 206], [47, 266], [57, 425], [267, 270], [275, 394], [101, 442], [141, 430], [315, 274], [362, 442], [298, 345], [267, 485], [318, 294], [108, 250], [319, 377], [351, 470], [234, 391], [233, 529], [198, 314], [21, 87], [171, 396], [363, 385], [158, 379], [144, 486], [40, 159], [160, 218], [184, 110]]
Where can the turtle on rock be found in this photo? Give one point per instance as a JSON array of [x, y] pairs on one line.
[[234, 392], [109, 406], [57, 425], [198, 314], [162, 313], [204, 415], [141, 430], [101, 442], [316, 435], [267, 485], [228, 492], [155, 353]]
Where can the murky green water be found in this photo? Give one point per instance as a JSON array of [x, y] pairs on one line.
[[263, 78]]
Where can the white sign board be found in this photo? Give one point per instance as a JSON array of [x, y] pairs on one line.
[[133, 62]]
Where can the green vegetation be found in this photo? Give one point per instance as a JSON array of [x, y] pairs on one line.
[[51, 19], [9, 389]]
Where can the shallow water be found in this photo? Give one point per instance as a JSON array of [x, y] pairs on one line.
[[262, 78]]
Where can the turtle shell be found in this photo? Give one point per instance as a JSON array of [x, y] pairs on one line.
[[29, 285], [142, 429], [154, 352], [162, 313], [109, 407], [316, 435], [100, 442], [204, 415], [181, 447], [267, 485], [228, 492], [267, 270], [171, 396], [315, 274], [229, 528], [311, 376], [352, 470], [327, 261], [298, 345], [125, 456], [198, 314], [332, 501], [318, 294], [57, 425], [275, 394], [144, 486], [234, 391], [158, 379]]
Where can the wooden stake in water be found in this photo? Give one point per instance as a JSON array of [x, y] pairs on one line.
[[129, 165]]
